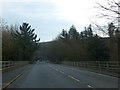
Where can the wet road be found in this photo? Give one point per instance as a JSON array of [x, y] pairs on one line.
[[45, 75]]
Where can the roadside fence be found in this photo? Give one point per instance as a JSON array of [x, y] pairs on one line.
[[109, 66], [5, 65]]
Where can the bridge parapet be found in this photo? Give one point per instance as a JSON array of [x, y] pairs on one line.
[[7, 65], [112, 67]]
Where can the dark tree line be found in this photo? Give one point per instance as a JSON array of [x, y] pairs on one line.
[[72, 45], [18, 44], [21, 44]]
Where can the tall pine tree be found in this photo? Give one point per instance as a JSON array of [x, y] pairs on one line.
[[26, 42], [73, 33]]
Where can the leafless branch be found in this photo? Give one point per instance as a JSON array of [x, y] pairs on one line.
[[109, 9], [99, 27], [118, 4]]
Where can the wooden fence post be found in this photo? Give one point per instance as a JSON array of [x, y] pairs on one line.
[[99, 66]]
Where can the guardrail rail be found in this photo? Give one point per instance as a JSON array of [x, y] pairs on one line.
[[5, 65], [107, 66]]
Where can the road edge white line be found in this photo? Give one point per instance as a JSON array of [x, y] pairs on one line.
[[10, 82]]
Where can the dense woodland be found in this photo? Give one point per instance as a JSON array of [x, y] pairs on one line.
[[83, 46], [20, 43]]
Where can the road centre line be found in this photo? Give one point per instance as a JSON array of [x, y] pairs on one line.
[[56, 69], [89, 86], [53, 68], [67, 75], [62, 72], [70, 76], [91, 72], [73, 78]]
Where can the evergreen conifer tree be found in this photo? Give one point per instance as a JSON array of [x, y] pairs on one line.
[[26, 42]]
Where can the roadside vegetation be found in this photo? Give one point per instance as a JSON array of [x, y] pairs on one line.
[[19, 43], [84, 46]]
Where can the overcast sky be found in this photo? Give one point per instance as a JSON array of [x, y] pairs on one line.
[[49, 17]]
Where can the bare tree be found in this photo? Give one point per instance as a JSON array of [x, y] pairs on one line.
[[111, 10]]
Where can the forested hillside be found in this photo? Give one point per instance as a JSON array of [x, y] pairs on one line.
[[83, 46]]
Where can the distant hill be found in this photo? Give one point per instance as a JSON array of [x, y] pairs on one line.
[[44, 50]]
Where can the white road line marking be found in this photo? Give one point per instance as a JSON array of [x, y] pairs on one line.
[[89, 86], [62, 72], [14, 79], [90, 72], [107, 76], [56, 69], [10, 82], [53, 68], [103, 75], [73, 78], [99, 74]]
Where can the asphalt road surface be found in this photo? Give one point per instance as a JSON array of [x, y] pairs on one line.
[[45, 75]]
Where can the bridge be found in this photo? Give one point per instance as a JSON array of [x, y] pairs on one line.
[[66, 75]]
